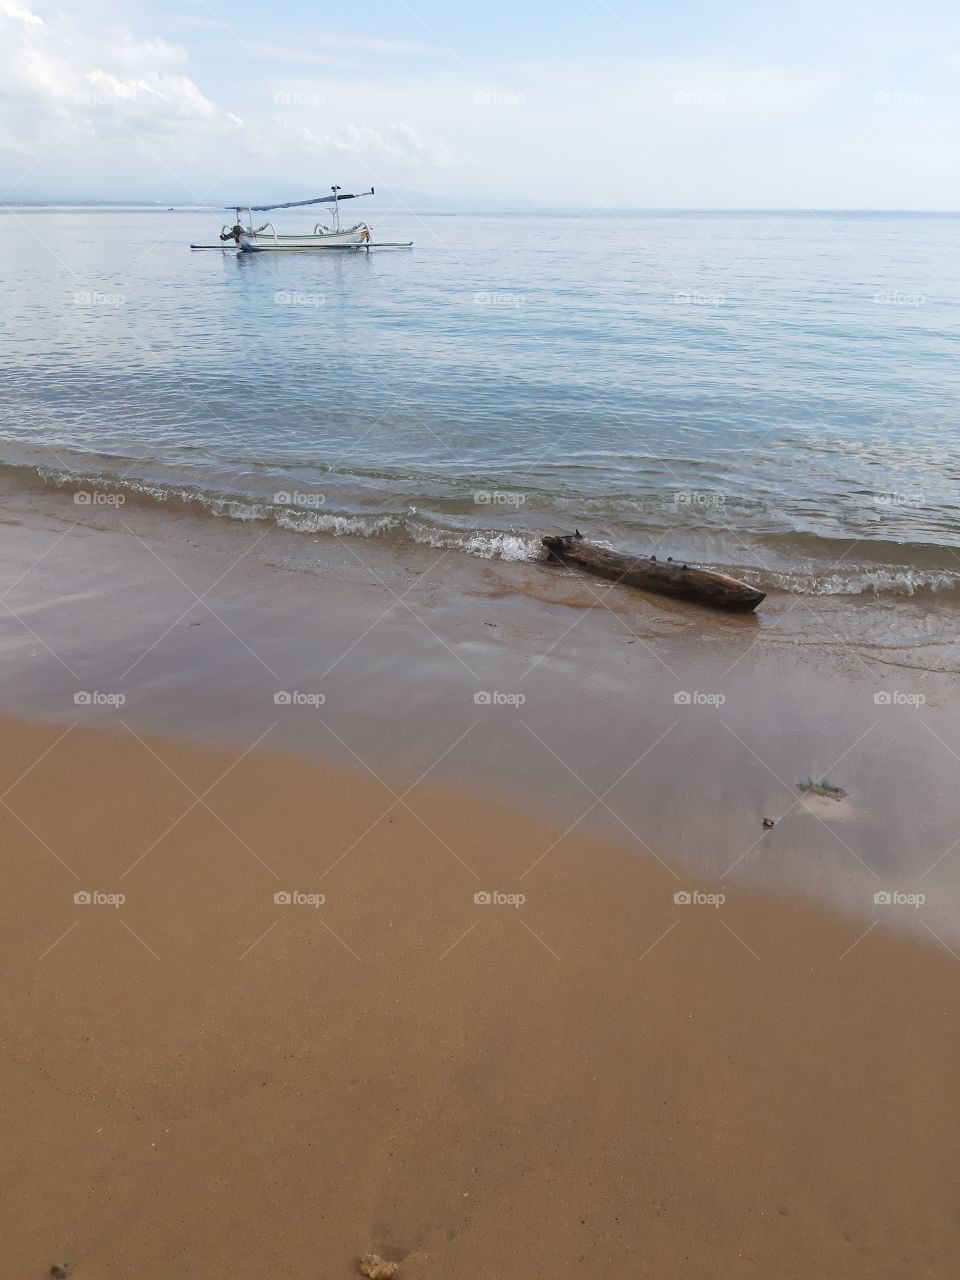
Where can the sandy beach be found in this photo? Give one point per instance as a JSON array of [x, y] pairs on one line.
[[575, 1071], [202, 1080], [480, 636]]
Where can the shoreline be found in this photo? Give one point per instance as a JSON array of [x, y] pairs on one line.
[[382, 655], [444, 512], [402, 1068]]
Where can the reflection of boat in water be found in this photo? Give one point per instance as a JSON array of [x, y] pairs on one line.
[[267, 239]]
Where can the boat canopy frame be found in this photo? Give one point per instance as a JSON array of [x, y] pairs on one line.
[[333, 199]]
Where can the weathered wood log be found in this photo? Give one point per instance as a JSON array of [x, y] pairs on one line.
[[665, 577]]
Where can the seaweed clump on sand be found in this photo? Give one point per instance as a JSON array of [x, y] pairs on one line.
[[822, 787], [374, 1267]]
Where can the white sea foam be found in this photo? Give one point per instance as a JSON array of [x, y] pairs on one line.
[[338, 525], [881, 580], [486, 544]]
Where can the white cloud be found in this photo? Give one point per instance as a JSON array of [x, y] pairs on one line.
[[124, 50], [120, 109], [396, 142], [60, 86], [318, 51], [17, 13], [123, 115], [368, 44], [554, 125]]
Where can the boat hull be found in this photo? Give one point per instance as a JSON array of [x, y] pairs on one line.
[[357, 238]]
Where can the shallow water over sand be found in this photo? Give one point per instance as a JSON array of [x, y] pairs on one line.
[[773, 394]]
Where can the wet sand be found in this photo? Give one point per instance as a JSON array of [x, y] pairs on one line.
[[667, 727], [599, 1080]]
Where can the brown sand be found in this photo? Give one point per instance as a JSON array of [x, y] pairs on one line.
[[200, 1083]]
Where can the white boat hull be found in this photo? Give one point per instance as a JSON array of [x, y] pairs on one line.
[[270, 242]]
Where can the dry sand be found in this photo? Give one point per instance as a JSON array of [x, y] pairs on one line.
[[202, 1083]]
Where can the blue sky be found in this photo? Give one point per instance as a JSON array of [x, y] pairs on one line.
[[809, 105]]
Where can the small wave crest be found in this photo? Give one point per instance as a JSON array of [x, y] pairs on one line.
[[416, 527], [329, 522], [488, 545], [875, 580]]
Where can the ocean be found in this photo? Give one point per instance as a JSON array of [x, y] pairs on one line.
[[768, 393]]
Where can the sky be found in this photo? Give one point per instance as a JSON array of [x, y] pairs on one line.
[[597, 103]]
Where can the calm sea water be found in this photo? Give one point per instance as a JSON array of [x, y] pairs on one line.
[[772, 393]]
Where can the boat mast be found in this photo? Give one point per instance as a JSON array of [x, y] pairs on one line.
[[336, 209]]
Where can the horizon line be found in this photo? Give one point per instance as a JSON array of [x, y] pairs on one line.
[[143, 203]]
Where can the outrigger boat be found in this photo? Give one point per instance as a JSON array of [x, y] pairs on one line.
[[267, 239]]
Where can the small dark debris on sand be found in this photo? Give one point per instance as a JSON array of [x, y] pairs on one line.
[[822, 787], [373, 1266], [57, 1272], [767, 823]]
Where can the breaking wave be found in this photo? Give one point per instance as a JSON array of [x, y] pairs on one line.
[[820, 575]]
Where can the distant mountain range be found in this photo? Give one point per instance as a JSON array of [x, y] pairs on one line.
[[385, 198]]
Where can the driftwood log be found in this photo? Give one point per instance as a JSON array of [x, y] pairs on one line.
[[665, 577]]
